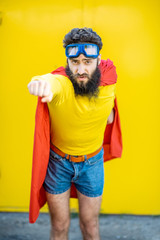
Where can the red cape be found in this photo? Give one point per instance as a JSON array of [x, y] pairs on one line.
[[112, 141]]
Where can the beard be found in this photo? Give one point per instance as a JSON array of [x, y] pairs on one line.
[[89, 89]]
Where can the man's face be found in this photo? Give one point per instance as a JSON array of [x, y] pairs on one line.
[[85, 75], [82, 68]]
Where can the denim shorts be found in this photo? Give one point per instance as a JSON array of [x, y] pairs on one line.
[[87, 176]]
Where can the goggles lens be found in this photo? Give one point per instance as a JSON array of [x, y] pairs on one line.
[[89, 50], [72, 51]]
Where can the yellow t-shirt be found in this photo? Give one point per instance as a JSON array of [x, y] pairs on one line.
[[77, 123]]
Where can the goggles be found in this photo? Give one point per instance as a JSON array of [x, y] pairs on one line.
[[88, 49]]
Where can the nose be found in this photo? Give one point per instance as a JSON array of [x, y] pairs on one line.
[[81, 69]]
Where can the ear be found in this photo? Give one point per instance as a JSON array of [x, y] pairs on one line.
[[99, 59]]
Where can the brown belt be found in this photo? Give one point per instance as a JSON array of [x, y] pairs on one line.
[[74, 158]]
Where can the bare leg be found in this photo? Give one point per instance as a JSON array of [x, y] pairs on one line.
[[89, 208], [60, 215]]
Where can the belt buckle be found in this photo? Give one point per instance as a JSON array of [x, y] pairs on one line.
[[69, 158], [77, 158]]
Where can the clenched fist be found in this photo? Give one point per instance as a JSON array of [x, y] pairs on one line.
[[40, 88]]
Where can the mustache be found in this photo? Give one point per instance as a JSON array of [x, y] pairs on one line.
[[81, 75]]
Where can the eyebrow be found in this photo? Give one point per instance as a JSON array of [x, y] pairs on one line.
[[82, 60], [88, 59]]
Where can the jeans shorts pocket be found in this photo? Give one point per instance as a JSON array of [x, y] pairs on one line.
[[97, 158], [54, 156]]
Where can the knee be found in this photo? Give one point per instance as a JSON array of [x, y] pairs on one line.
[[89, 226], [60, 226]]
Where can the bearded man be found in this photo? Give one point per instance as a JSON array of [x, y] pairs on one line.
[[80, 103]]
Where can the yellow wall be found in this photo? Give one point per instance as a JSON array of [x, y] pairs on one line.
[[31, 34]]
